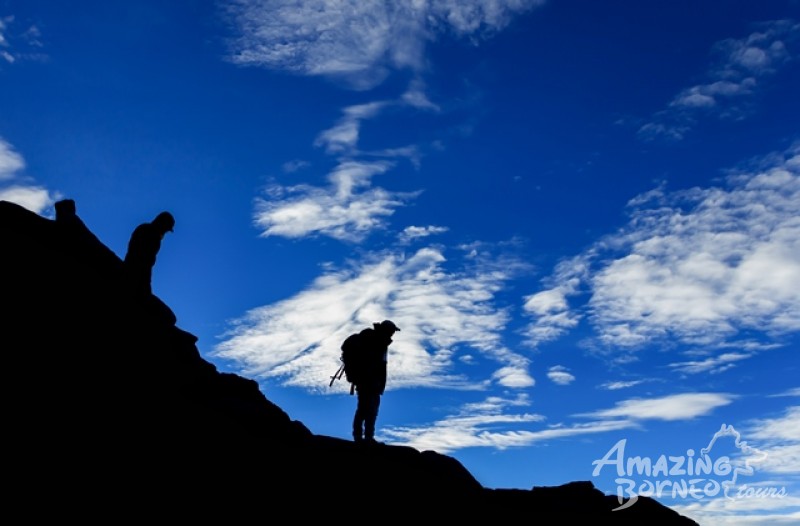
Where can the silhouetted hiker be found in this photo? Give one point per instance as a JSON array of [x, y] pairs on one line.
[[371, 382], [143, 247]]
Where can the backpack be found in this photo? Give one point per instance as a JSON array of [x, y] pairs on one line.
[[352, 360]]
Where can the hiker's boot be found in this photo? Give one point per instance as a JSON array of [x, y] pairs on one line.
[[357, 435]]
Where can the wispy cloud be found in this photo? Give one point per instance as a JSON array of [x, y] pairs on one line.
[[14, 187], [19, 45], [614, 386], [357, 41], [34, 198], [475, 425], [682, 406], [295, 165], [743, 512], [791, 392], [347, 210], [418, 232], [737, 75], [343, 137], [699, 266], [415, 97], [783, 428], [351, 207], [11, 162], [498, 424], [443, 315], [713, 364], [560, 375], [550, 308], [4, 45]]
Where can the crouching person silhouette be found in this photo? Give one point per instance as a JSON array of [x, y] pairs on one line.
[[371, 382], [143, 247]]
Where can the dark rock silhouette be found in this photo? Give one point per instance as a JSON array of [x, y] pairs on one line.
[[111, 413]]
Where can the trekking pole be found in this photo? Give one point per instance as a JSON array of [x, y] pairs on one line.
[[337, 375]]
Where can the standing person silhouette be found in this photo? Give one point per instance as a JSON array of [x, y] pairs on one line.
[[371, 382], [143, 247]]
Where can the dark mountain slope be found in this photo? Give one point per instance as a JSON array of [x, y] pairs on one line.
[[111, 413]]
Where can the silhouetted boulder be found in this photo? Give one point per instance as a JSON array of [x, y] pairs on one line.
[[112, 413]]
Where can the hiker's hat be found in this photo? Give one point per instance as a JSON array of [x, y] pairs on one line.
[[166, 220], [389, 324]]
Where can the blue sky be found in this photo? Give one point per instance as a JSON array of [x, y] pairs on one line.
[[583, 215]]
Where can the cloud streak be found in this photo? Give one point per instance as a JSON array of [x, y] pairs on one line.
[[411, 233], [614, 386], [14, 187], [684, 406], [11, 162], [347, 210], [714, 364], [350, 207], [357, 41], [560, 375], [15, 46], [741, 66], [498, 424]]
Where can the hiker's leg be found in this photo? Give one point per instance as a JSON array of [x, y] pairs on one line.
[[358, 418], [374, 402]]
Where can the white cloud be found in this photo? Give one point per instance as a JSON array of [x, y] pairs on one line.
[[714, 364], [19, 45], [417, 232], [350, 208], [458, 432], [491, 424], [474, 426], [7, 56], [34, 198], [741, 63], [613, 386], [791, 392], [3, 25], [514, 376], [742, 512], [343, 137], [701, 267], [560, 375], [684, 406], [11, 162], [440, 314], [347, 210], [295, 165], [783, 428], [357, 40], [415, 97], [550, 309]]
